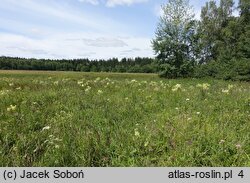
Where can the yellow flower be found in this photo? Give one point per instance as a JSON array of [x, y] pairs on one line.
[[156, 89], [137, 133], [88, 89], [97, 79], [230, 87], [133, 81], [80, 82], [57, 146], [176, 87], [100, 92], [11, 108], [204, 86], [225, 91], [46, 128]]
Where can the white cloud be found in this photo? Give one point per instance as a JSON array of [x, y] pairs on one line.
[[94, 2], [104, 42], [54, 12], [58, 30], [75, 45], [112, 3]]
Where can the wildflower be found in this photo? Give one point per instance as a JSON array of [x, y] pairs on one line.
[[11, 108], [204, 86], [57, 146], [238, 146], [79, 82], [97, 79], [225, 91], [177, 108], [57, 139], [14, 149], [100, 92], [189, 119], [230, 87], [156, 89], [198, 113], [11, 84], [137, 133], [87, 89], [107, 79], [146, 144], [46, 128], [126, 98], [222, 141], [176, 87], [133, 81], [56, 82], [19, 88], [187, 99]]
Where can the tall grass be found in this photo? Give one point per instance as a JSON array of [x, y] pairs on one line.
[[101, 119]]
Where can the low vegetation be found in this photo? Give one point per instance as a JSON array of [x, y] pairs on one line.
[[100, 119]]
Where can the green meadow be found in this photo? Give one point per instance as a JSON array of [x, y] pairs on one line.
[[122, 120]]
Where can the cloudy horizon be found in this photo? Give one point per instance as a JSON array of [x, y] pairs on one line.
[[94, 29]]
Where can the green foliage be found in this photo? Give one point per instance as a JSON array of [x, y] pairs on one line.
[[231, 70], [185, 70], [136, 65], [175, 39]]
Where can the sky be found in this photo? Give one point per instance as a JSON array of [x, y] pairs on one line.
[[94, 29]]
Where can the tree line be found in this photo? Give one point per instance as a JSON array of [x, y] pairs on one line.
[[130, 65]]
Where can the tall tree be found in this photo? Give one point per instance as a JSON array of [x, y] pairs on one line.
[[174, 38], [225, 11], [244, 23], [213, 20], [244, 6]]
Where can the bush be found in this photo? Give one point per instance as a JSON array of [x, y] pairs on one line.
[[228, 70], [185, 70]]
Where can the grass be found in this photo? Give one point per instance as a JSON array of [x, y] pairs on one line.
[[104, 119]]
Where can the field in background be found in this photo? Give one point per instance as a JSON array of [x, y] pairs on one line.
[[104, 119]]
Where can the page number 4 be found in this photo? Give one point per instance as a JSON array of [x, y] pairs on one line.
[[241, 174]]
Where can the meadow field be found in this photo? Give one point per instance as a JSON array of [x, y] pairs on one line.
[[104, 119]]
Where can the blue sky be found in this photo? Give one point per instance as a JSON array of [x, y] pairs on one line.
[[80, 28]]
